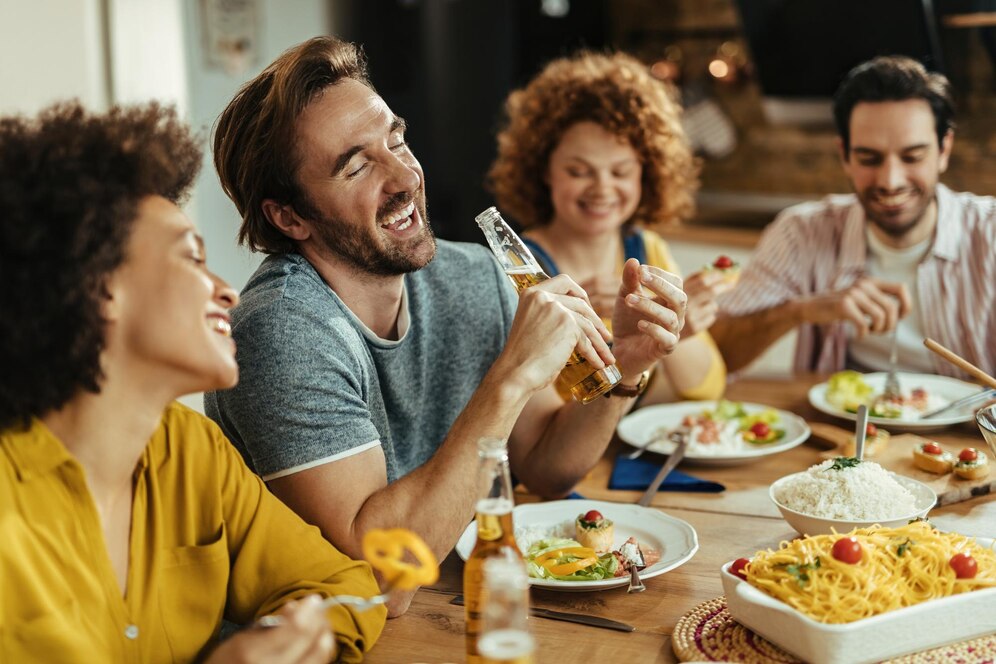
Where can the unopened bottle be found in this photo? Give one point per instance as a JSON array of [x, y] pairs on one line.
[[495, 532], [505, 637], [579, 378]]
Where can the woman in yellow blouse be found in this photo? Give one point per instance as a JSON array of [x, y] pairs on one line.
[[129, 526], [591, 153]]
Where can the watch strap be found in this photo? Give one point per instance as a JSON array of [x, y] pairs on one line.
[[621, 390]]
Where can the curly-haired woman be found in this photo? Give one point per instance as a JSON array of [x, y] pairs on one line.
[[592, 153], [130, 526]]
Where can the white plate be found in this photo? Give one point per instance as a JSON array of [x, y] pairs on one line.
[[949, 389], [675, 539], [638, 428], [912, 629]]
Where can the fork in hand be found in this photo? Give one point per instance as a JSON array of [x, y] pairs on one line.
[[359, 605]]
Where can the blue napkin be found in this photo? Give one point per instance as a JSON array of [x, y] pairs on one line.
[[637, 474]]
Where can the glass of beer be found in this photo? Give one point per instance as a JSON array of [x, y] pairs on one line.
[[579, 378], [505, 637]]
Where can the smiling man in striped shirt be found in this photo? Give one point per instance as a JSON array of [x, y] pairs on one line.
[[902, 250]]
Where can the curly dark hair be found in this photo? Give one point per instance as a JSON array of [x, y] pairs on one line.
[[70, 185], [893, 78], [255, 136], [616, 92]]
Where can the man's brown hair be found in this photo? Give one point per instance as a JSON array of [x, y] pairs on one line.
[[255, 140]]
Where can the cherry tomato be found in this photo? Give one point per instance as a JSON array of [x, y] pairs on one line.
[[964, 566], [932, 448], [592, 516], [760, 429], [968, 454], [847, 550], [738, 568], [871, 430], [723, 262]]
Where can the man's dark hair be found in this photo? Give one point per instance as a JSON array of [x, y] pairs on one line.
[[893, 78], [255, 137], [70, 186]]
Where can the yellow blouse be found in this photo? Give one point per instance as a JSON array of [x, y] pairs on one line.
[[207, 541]]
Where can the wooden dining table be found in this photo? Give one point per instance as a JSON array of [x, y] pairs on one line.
[[735, 523]]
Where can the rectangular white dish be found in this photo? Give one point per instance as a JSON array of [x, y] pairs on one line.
[[912, 629]]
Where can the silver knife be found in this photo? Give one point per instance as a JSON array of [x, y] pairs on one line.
[[987, 393], [668, 466], [580, 619]]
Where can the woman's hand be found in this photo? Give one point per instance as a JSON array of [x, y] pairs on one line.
[[702, 289], [303, 637]]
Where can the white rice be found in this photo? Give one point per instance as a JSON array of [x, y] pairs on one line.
[[526, 536], [865, 492]]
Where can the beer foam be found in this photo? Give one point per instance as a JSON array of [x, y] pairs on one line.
[[495, 506]]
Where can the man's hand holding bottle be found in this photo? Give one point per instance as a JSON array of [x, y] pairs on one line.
[[554, 318]]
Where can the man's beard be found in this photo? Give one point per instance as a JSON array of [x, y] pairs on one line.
[[891, 228], [367, 251]]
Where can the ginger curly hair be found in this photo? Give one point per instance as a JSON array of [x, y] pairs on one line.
[[70, 186], [615, 91]]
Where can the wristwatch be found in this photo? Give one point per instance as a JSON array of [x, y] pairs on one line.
[[621, 390]]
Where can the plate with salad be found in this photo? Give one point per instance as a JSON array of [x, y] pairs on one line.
[[587, 545], [721, 433], [921, 393]]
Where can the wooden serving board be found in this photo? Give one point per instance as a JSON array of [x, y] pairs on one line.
[[898, 457]]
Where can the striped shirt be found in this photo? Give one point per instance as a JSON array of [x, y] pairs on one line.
[[821, 247]]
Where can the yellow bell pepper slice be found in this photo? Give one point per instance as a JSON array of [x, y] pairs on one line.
[[569, 568], [385, 551], [579, 551]]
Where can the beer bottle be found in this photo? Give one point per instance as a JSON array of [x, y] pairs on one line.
[[505, 637], [579, 379], [495, 534]]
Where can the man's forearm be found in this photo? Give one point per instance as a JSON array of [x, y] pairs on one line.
[[571, 444], [742, 339], [437, 499]]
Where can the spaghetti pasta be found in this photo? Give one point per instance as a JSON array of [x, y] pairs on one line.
[[898, 567]]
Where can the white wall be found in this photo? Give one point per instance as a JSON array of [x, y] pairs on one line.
[[145, 63], [51, 50]]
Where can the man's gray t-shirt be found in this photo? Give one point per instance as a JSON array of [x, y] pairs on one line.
[[316, 385]]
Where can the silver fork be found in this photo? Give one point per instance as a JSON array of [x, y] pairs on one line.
[[359, 605], [673, 436], [892, 390]]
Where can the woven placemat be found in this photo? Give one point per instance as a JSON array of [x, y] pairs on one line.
[[708, 632]]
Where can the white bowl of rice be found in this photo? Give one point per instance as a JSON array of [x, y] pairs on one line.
[[841, 495]]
